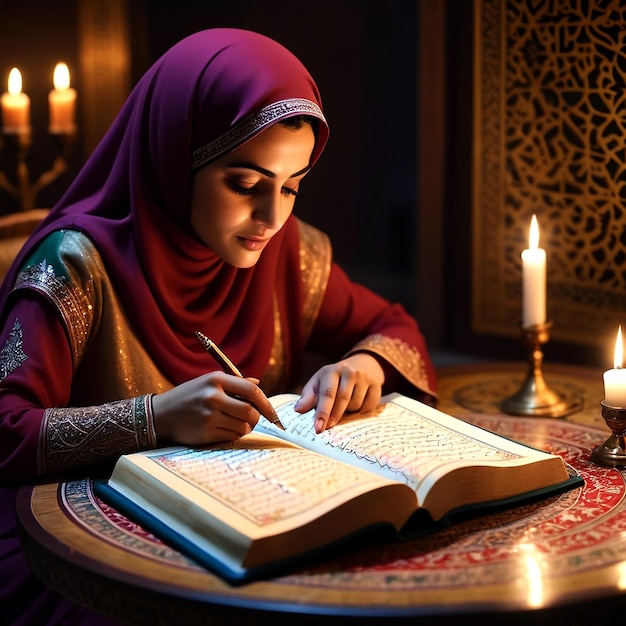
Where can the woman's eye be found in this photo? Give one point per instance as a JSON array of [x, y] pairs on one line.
[[251, 188], [240, 189]]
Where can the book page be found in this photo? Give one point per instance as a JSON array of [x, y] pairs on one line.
[[264, 480], [402, 439]]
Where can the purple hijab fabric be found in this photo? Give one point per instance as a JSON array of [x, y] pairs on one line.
[[208, 94]]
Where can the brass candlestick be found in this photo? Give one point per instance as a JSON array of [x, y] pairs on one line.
[[535, 398], [612, 453], [16, 145]]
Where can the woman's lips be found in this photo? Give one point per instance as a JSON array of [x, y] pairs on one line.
[[254, 244]]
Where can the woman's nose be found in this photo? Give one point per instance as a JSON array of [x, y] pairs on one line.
[[268, 212]]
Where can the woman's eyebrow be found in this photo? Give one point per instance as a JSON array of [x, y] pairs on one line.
[[262, 170]]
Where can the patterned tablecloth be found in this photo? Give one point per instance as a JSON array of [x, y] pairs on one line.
[[552, 553]]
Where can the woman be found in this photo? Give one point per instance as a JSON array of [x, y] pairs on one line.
[[181, 221]]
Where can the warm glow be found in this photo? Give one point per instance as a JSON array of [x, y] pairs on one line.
[[618, 359], [61, 77], [533, 236], [531, 560], [615, 379], [15, 81], [621, 576]]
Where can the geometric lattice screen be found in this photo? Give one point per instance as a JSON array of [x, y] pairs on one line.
[[550, 140]]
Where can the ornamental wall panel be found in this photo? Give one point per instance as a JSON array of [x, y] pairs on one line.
[[550, 139]]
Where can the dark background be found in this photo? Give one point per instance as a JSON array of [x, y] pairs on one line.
[[393, 187], [362, 54]]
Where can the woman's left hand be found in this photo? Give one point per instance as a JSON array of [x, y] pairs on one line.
[[353, 384]]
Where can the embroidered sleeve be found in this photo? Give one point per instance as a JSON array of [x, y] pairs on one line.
[[67, 271], [12, 353], [62, 270], [404, 357], [74, 437]]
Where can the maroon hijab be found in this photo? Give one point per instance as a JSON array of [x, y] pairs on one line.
[[208, 94]]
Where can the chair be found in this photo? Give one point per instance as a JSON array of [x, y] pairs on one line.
[[15, 229]]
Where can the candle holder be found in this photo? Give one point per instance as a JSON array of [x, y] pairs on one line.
[[16, 145], [612, 453], [535, 398]]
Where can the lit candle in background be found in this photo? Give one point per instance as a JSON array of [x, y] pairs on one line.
[[15, 105], [534, 279], [615, 379], [62, 101]]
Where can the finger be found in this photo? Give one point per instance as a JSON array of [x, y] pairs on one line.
[[261, 402], [221, 423], [250, 393], [241, 409], [308, 396], [372, 398], [305, 403], [342, 399], [230, 429], [357, 400], [325, 403]]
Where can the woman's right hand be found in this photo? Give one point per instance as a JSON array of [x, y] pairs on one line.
[[212, 408]]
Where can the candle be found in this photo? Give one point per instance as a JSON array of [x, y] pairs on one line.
[[62, 101], [15, 105], [534, 279], [615, 379]]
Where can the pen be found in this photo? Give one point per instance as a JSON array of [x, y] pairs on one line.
[[213, 349]]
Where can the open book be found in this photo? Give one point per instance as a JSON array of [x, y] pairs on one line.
[[244, 508]]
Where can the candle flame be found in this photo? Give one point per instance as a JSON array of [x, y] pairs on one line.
[[618, 358], [15, 81], [61, 77], [533, 235]]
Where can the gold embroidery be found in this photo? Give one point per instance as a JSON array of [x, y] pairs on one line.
[[73, 301], [274, 376], [315, 262], [12, 354], [404, 357], [315, 266], [96, 425], [74, 279], [74, 437]]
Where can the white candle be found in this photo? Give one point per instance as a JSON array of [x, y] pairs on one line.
[[534, 279], [62, 101], [15, 105], [615, 379]]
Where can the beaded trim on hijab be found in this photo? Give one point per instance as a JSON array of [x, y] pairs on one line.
[[252, 124]]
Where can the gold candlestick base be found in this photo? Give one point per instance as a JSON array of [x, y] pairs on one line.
[[612, 453], [16, 145], [535, 398]]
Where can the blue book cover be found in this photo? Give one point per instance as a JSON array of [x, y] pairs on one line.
[[255, 507]]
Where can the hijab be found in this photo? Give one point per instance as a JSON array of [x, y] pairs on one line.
[[208, 94]]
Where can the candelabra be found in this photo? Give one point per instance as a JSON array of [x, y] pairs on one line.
[[535, 398], [15, 147], [612, 453]]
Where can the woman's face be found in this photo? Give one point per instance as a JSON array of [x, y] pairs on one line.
[[241, 200]]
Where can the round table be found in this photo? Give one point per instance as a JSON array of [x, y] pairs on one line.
[[560, 559]]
